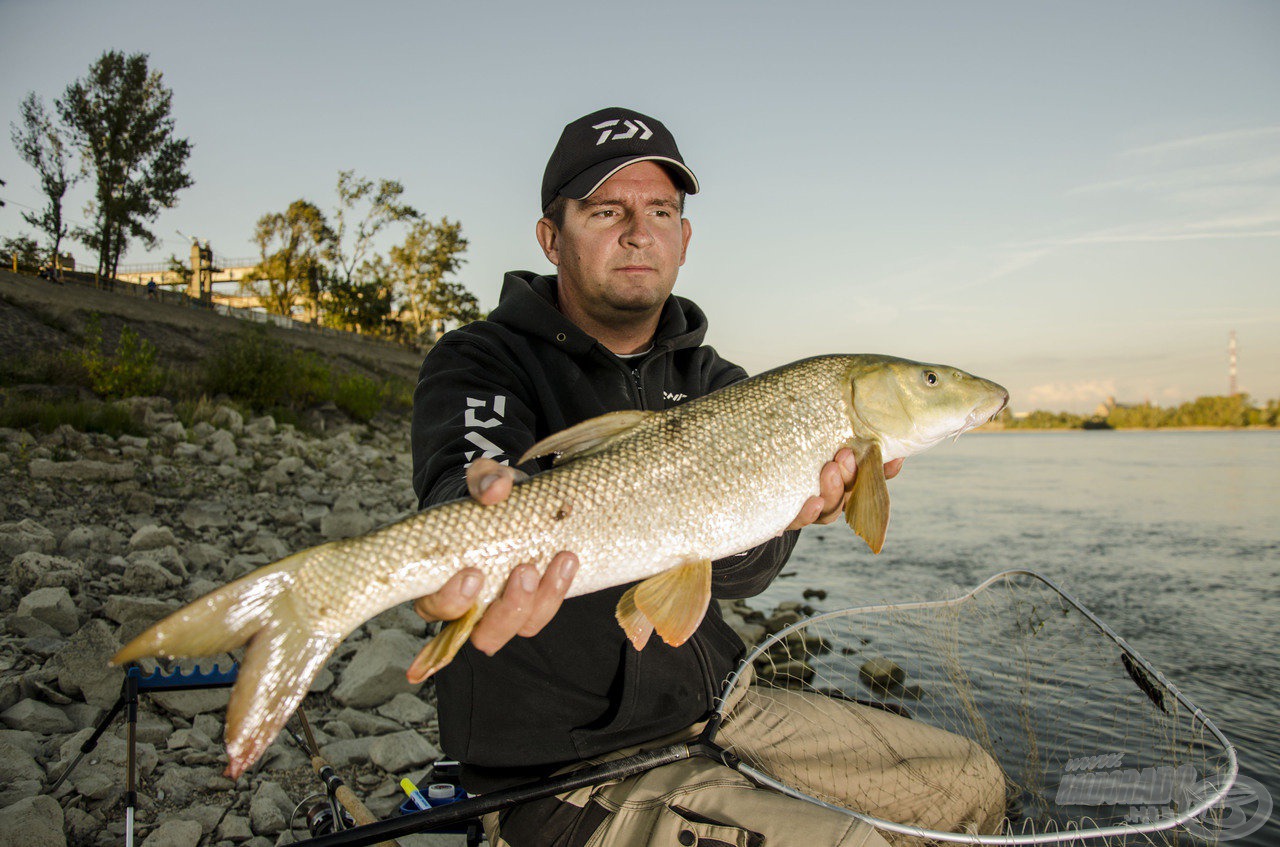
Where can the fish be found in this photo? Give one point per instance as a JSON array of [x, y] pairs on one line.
[[645, 497]]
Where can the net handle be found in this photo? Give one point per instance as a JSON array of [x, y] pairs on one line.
[[1197, 715]]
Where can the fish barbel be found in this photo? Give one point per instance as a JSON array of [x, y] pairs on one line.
[[650, 496]]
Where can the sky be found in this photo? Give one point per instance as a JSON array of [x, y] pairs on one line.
[[1075, 199]]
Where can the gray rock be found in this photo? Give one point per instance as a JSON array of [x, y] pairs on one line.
[[236, 828], [401, 617], [82, 470], [139, 503], [227, 418], [376, 673], [17, 764], [269, 809], [176, 786], [152, 728], [123, 608], [174, 431], [400, 751], [34, 822], [207, 815], [881, 674], [82, 539], [28, 742], [407, 710], [205, 513], [81, 827], [49, 606], [270, 546], [37, 570], [203, 555], [174, 833], [363, 723], [265, 425], [182, 739], [152, 537], [34, 716], [25, 536], [146, 576], [222, 444], [354, 751]]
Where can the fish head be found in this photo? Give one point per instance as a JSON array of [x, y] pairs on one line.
[[909, 406]]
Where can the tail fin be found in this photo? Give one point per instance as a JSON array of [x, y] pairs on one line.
[[287, 647]]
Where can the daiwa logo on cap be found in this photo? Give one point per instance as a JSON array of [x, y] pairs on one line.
[[618, 135]]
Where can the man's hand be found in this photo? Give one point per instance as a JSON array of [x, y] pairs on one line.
[[835, 482], [527, 603]]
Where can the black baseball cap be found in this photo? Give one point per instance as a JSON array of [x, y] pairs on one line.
[[596, 146]]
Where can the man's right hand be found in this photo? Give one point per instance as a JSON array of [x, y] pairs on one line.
[[527, 603]]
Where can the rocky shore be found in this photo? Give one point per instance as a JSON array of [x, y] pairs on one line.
[[102, 536]]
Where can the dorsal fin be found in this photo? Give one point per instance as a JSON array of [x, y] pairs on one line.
[[587, 437]]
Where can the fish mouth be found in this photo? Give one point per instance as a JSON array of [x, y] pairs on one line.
[[981, 415]]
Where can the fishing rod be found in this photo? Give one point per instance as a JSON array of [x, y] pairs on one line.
[[343, 804]]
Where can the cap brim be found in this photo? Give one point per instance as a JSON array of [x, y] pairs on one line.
[[585, 184]]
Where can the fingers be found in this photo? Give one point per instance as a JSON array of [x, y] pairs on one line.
[[526, 605], [454, 597], [891, 468], [835, 481], [489, 482]]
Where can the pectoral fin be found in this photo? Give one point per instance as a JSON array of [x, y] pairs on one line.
[[633, 621], [868, 508], [440, 650], [587, 437], [675, 601]]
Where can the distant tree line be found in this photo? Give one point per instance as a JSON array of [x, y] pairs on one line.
[[114, 127], [324, 267], [1217, 411]]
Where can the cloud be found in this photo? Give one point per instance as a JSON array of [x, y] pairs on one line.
[[1075, 394]]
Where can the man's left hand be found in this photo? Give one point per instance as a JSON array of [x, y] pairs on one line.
[[835, 482]]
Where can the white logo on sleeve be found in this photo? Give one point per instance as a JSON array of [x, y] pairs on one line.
[[611, 134], [482, 415]]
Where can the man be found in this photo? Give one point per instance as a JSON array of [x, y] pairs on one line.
[[605, 333]]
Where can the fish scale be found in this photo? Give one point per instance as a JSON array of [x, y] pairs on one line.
[[653, 496]]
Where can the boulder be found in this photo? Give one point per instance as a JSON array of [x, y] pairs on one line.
[[25, 536], [49, 607], [345, 524], [407, 710], [32, 570], [376, 672], [226, 417], [269, 809], [881, 674], [34, 822], [152, 537], [174, 833], [222, 444], [34, 716], [147, 576], [345, 752], [401, 751], [205, 513]]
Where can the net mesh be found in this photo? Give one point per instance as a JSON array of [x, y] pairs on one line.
[[1010, 715]]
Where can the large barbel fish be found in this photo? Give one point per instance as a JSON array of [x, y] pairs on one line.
[[649, 496]]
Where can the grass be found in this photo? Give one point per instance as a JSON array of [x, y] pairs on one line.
[[252, 371], [83, 415]]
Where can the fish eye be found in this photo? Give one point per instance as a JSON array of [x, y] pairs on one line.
[[930, 378]]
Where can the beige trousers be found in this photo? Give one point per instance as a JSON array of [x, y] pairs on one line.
[[879, 763]]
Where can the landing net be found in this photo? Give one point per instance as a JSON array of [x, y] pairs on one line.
[[1057, 730]]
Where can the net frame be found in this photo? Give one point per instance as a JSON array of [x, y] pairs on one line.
[[1079, 830]]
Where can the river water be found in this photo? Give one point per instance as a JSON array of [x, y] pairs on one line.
[[1171, 538]]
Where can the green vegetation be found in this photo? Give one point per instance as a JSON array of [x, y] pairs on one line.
[[250, 369], [1220, 411], [83, 415]]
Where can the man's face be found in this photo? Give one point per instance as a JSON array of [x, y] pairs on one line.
[[620, 249]]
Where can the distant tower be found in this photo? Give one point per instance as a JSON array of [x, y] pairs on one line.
[[1231, 364]]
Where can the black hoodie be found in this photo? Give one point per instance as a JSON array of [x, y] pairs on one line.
[[577, 689]]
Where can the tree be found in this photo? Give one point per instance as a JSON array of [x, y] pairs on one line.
[[353, 234], [119, 117], [430, 252], [42, 146], [292, 245], [24, 249], [364, 304]]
